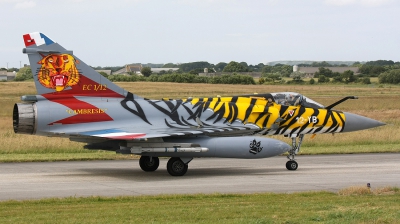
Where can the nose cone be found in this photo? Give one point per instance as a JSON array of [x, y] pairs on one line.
[[356, 122]]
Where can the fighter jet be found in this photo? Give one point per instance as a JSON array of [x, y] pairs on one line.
[[76, 102]]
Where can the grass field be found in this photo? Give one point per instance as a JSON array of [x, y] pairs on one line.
[[352, 205], [375, 101]]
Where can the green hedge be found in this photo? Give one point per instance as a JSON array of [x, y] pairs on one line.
[[186, 78], [392, 77]]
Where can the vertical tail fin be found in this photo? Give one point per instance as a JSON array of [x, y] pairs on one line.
[[58, 71]]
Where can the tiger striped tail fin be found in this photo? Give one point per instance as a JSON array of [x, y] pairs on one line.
[[58, 72]]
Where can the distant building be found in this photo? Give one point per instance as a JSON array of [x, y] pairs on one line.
[[129, 69], [136, 68], [310, 71], [11, 76], [3, 75], [7, 76]]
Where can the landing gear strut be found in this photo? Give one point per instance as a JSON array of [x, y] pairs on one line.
[[292, 164], [149, 164]]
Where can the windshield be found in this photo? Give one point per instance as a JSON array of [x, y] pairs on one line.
[[294, 99]]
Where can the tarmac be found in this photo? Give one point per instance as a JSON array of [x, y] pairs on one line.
[[21, 181]]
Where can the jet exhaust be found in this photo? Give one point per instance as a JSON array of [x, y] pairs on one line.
[[24, 118]]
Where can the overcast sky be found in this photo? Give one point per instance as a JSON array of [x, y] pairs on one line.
[[117, 32]]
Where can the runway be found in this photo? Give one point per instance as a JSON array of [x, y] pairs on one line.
[[20, 181]]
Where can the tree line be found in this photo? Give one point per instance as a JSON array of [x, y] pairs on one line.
[[198, 67], [186, 78], [386, 70]]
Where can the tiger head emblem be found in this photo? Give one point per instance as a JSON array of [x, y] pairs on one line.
[[58, 71]]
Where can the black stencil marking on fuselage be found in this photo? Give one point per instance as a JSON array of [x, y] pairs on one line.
[[187, 123], [266, 120], [138, 112], [255, 147], [188, 110], [250, 108], [341, 119], [220, 113], [196, 113], [334, 121], [173, 113], [261, 115]]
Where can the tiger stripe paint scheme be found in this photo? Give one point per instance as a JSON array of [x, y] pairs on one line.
[[263, 111]]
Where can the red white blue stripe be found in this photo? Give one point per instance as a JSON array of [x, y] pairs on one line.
[[36, 38], [114, 134]]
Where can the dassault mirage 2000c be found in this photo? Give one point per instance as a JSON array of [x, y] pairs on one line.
[[76, 102]]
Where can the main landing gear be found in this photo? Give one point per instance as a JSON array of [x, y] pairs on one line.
[[176, 166], [292, 164], [149, 164]]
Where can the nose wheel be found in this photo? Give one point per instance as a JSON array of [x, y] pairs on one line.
[[292, 164]]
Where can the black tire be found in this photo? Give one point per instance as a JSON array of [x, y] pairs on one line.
[[148, 166], [176, 167], [292, 165]]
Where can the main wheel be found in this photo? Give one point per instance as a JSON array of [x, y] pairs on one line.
[[148, 165], [176, 167], [292, 165]]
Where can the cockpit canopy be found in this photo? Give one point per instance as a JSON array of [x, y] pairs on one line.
[[294, 99]]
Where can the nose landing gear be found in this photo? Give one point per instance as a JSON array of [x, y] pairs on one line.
[[292, 164]]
